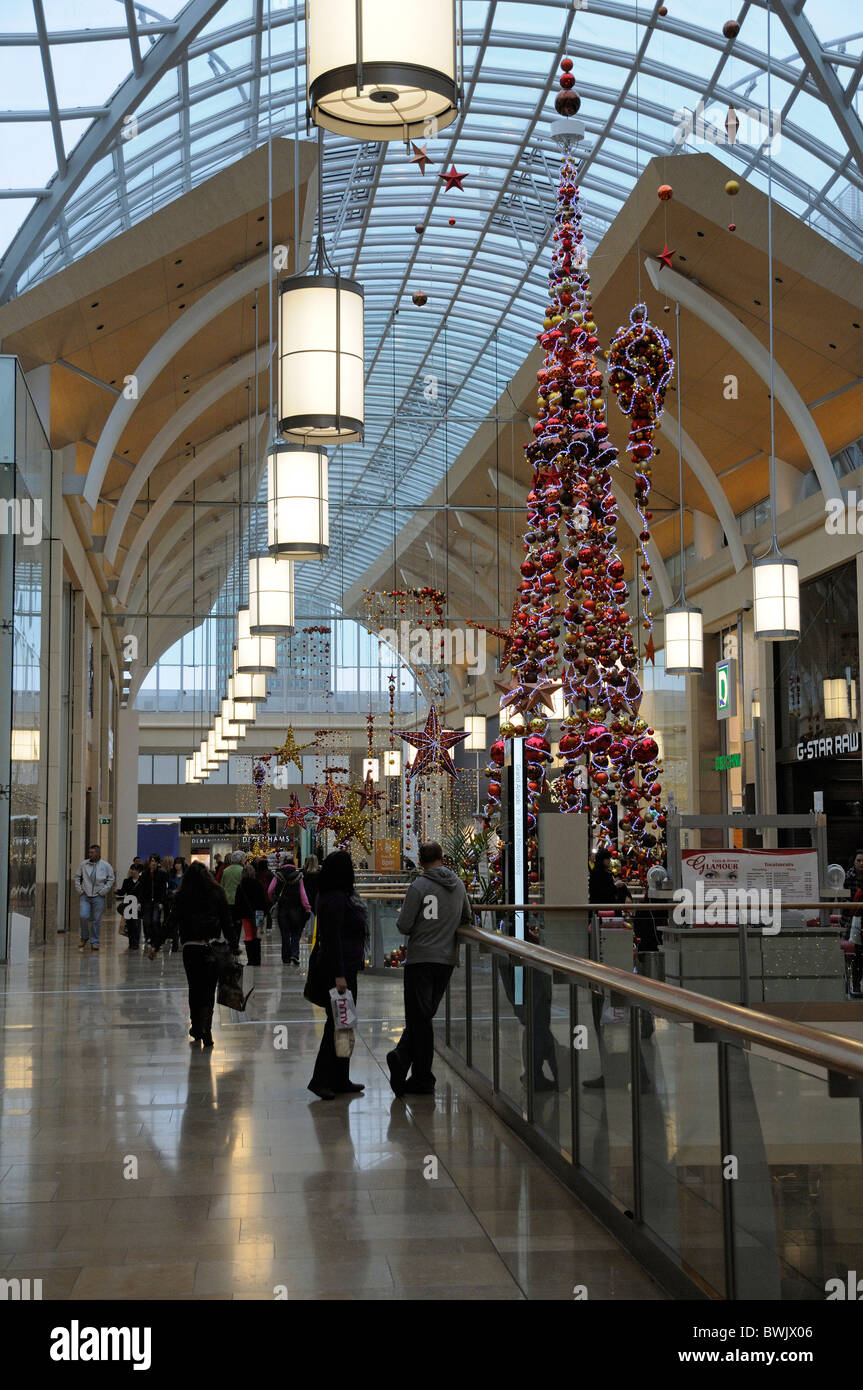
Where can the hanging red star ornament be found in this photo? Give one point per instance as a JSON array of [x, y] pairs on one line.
[[369, 795], [295, 814], [650, 650], [665, 255], [453, 180], [432, 744], [420, 156]]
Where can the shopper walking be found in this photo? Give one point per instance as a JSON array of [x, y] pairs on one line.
[[153, 895], [336, 961], [203, 916], [250, 906], [230, 881], [311, 879], [290, 903], [435, 906], [130, 905], [94, 881]]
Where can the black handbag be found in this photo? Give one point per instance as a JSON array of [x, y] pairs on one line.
[[316, 989], [229, 990]]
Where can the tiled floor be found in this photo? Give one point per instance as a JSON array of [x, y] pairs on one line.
[[135, 1166]]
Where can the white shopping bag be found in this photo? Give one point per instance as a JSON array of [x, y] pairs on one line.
[[344, 1012], [344, 1009]]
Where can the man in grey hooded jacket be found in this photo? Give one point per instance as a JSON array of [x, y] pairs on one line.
[[435, 906]]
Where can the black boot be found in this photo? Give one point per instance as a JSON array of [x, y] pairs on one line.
[[206, 1026], [253, 951]]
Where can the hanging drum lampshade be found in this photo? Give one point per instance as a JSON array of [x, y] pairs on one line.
[[378, 71], [776, 590], [298, 512], [190, 772], [208, 763], [215, 754], [235, 716], [226, 741], [254, 654], [271, 595], [247, 686], [321, 359], [477, 739], [684, 639]]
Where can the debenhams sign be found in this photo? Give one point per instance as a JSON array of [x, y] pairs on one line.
[[828, 747]]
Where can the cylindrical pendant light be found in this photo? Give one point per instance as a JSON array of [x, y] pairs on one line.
[[392, 763], [476, 740], [237, 716], [321, 359], [271, 595], [190, 777], [298, 520], [378, 71], [254, 654], [215, 754], [247, 686], [775, 578], [776, 589], [371, 768], [684, 623], [684, 640], [225, 741]]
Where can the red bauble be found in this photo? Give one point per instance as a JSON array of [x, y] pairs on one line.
[[497, 752], [645, 750]]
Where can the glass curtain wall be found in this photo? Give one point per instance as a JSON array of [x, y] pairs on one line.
[[25, 505]]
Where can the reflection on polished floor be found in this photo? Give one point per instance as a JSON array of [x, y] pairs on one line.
[[245, 1184]]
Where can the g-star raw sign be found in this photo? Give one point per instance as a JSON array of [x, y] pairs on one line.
[[828, 747]]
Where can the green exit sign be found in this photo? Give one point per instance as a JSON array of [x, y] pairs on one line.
[[722, 762], [726, 688]]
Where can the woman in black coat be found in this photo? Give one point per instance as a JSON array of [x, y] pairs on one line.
[[152, 895], [338, 957], [202, 915]]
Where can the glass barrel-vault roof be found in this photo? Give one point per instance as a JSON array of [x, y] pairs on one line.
[[235, 70]]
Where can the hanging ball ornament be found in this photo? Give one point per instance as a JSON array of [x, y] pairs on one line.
[[664, 192], [452, 221], [567, 101], [662, 11], [730, 29], [420, 298], [732, 188], [732, 226]]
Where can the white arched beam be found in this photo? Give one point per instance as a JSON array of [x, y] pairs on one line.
[[171, 550], [705, 475], [215, 302], [172, 430], [209, 455], [733, 332]]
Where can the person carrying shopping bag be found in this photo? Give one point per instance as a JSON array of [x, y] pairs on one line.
[[335, 962], [250, 906], [203, 916]]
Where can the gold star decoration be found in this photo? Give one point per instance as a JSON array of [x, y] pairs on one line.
[[290, 751], [352, 822]]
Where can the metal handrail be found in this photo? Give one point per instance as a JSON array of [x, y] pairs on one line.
[[806, 1044]]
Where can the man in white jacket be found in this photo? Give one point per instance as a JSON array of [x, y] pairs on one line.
[[94, 881]]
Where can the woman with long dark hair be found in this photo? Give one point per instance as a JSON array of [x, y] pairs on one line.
[[338, 957], [202, 915]]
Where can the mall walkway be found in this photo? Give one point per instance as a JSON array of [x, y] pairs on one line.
[[133, 1166]]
